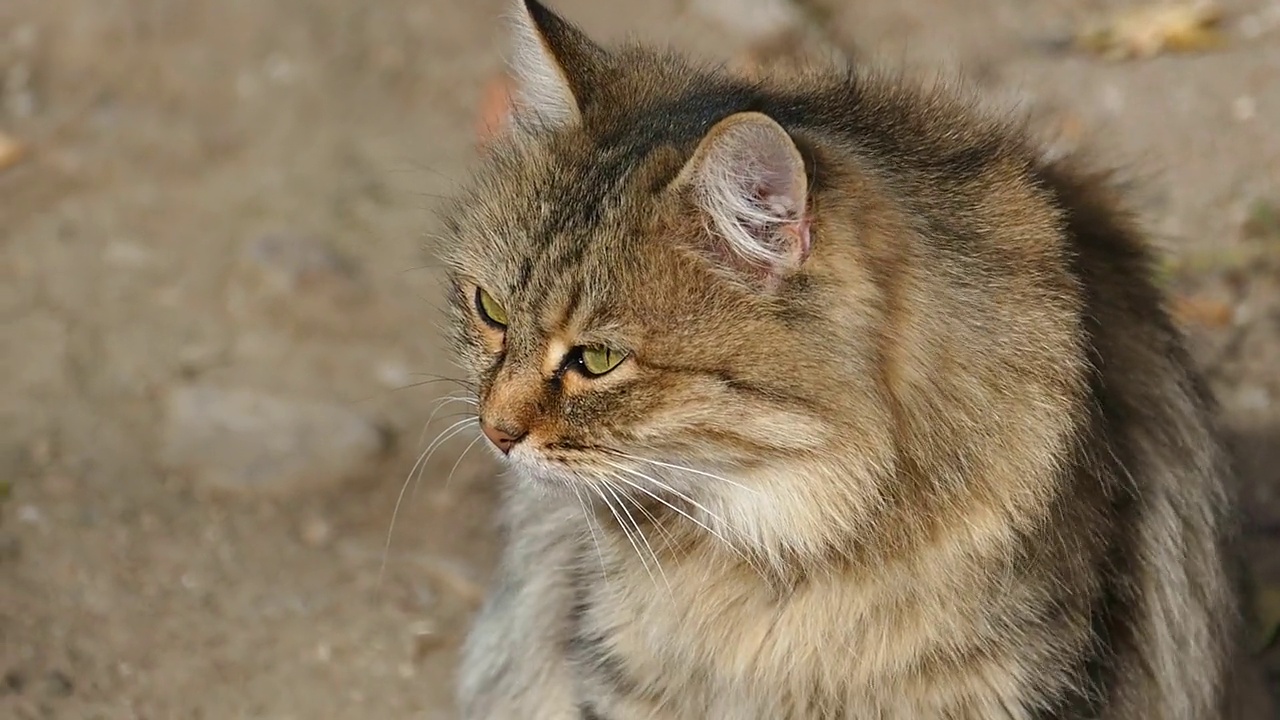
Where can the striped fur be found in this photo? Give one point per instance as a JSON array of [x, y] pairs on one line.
[[951, 461]]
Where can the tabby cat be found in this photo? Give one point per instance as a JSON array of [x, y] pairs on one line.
[[823, 396]]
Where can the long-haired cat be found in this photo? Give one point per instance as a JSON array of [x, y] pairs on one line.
[[823, 396]]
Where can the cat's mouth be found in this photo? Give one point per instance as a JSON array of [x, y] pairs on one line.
[[612, 473]]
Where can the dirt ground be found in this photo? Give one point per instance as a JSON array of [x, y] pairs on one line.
[[218, 321]]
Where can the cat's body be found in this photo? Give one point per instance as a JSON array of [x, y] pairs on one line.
[[826, 398]]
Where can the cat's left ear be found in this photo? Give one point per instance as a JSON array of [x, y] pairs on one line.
[[554, 66], [748, 178]]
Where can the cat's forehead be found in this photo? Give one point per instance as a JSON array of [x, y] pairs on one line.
[[553, 202]]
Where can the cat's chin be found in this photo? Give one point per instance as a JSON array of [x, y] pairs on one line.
[[528, 469]]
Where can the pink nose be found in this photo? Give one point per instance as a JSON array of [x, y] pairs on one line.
[[501, 439]]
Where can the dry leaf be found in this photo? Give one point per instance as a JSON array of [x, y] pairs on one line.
[[1196, 310], [1148, 30], [11, 151]]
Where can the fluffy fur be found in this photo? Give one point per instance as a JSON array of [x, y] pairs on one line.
[[902, 430]]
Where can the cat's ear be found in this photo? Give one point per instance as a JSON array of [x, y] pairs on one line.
[[748, 178], [553, 66]]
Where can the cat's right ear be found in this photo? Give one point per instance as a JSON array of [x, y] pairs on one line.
[[749, 181], [553, 65]]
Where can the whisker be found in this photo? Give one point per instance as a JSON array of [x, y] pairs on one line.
[[673, 466], [420, 462], [622, 501], [440, 404], [454, 469], [625, 531], [436, 445], [668, 539], [664, 501], [745, 558], [589, 519], [663, 486]]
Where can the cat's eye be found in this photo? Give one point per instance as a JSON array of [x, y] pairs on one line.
[[489, 309], [598, 359]]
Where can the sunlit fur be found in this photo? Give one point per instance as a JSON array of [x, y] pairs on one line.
[[952, 465]]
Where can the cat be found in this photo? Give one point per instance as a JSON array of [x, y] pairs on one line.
[[823, 395]]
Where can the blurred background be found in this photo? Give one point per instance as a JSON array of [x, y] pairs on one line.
[[219, 332]]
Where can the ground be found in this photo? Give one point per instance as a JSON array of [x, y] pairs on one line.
[[219, 324]]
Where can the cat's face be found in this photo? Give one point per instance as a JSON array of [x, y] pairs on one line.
[[631, 301], [603, 347]]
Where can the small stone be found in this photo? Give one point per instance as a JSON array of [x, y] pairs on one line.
[[41, 452], [450, 578], [247, 441], [317, 532], [14, 682], [126, 255], [290, 263], [196, 358], [393, 375], [301, 281], [425, 638], [60, 485], [753, 19], [10, 549], [1254, 397], [280, 69], [30, 514], [59, 684], [23, 37], [324, 653], [1244, 108]]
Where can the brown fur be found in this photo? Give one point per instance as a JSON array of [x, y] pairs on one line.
[[942, 455]]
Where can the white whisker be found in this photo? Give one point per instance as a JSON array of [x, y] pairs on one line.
[[589, 519], [673, 466], [454, 469], [622, 501], [420, 462], [608, 488], [684, 514]]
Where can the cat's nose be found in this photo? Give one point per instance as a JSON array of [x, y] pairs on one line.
[[502, 439]]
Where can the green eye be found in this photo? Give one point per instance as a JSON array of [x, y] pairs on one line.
[[489, 309], [598, 360]]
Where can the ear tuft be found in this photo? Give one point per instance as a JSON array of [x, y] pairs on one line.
[[748, 178], [551, 64]]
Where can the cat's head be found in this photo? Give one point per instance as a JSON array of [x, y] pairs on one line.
[[628, 296], [646, 301]]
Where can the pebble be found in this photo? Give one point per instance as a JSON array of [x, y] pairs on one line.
[[299, 280], [317, 532], [248, 441], [1253, 397], [60, 485], [292, 263], [126, 255], [754, 19], [10, 549], [1244, 108], [59, 684], [41, 451], [393, 374]]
